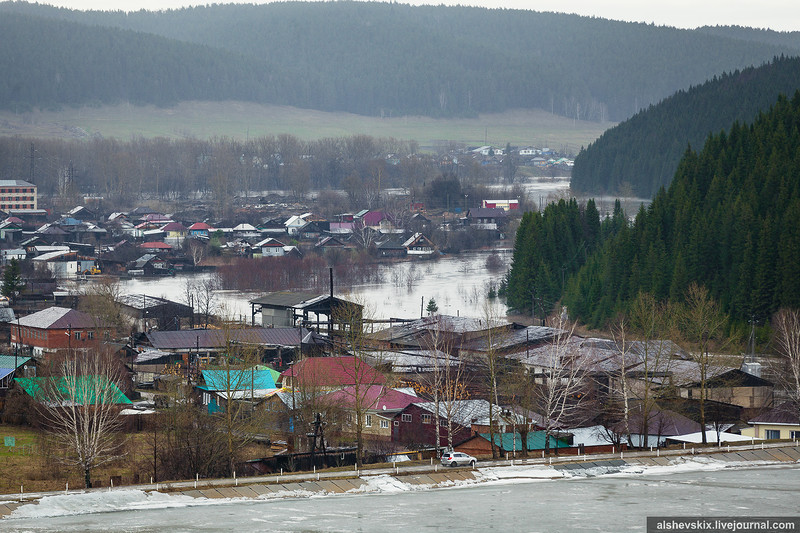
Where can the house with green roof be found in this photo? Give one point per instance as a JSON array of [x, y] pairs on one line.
[[479, 445], [73, 390]]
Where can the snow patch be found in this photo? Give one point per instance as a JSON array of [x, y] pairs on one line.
[[105, 502]]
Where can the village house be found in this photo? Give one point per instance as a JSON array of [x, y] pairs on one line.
[[419, 245], [174, 233], [781, 422], [378, 404], [147, 312], [200, 230], [58, 328], [222, 386], [271, 247], [734, 387], [485, 218], [272, 344], [149, 265], [331, 373], [507, 444], [64, 264]]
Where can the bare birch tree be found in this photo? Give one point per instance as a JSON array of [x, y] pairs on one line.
[[349, 316], [236, 376], [560, 384], [651, 324], [703, 325], [451, 383], [786, 328], [80, 403]]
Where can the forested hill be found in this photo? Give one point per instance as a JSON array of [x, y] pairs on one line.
[[370, 58], [757, 35], [729, 221], [78, 64], [640, 155]]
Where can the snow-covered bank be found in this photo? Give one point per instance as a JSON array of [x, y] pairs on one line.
[[123, 500]]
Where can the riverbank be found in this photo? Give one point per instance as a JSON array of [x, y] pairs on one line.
[[392, 480]]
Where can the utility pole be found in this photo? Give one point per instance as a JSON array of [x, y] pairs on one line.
[[32, 163]]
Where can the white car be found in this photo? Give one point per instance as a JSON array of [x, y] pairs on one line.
[[457, 459]]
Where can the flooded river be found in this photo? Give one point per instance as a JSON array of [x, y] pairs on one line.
[[458, 283]]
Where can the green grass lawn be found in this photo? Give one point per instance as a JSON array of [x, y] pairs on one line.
[[25, 440], [242, 120]]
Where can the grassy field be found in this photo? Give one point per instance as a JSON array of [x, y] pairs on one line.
[[240, 120]]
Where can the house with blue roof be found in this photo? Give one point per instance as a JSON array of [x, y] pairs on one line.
[[243, 384]]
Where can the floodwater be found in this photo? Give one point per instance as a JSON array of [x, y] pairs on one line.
[[611, 503], [458, 283]]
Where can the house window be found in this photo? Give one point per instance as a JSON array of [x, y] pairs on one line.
[[384, 424], [396, 423], [368, 421], [794, 435], [406, 417], [90, 335], [426, 419], [77, 335], [772, 434], [443, 423]]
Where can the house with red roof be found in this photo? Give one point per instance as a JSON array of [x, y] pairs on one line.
[[378, 404], [200, 230], [174, 233], [331, 373]]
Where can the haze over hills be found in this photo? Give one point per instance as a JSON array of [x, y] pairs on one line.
[[375, 59], [641, 154]]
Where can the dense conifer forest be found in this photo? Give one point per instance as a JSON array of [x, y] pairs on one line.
[[729, 222], [640, 155], [379, 59]]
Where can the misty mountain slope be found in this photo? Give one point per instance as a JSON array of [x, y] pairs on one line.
[[642, 154], [790, 39], [381, 58], [79, 65]]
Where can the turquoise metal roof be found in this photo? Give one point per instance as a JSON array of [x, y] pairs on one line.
[[8, 361], [238, 379], [535, 441]]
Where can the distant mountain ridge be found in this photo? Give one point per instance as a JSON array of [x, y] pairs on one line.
[[640, 155], [364, 57]]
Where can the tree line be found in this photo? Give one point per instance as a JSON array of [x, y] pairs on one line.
[[400, 59], [348, 172], [727, 222], [640, 155]]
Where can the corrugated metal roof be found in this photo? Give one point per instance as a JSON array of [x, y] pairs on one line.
[[143, 301], [7, 361], [338, 371], [59, 318], [535, 441], [285, 298], [73, 391], [238, 379], [215, 339]]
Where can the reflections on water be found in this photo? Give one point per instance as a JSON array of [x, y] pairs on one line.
[[458, 283]]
